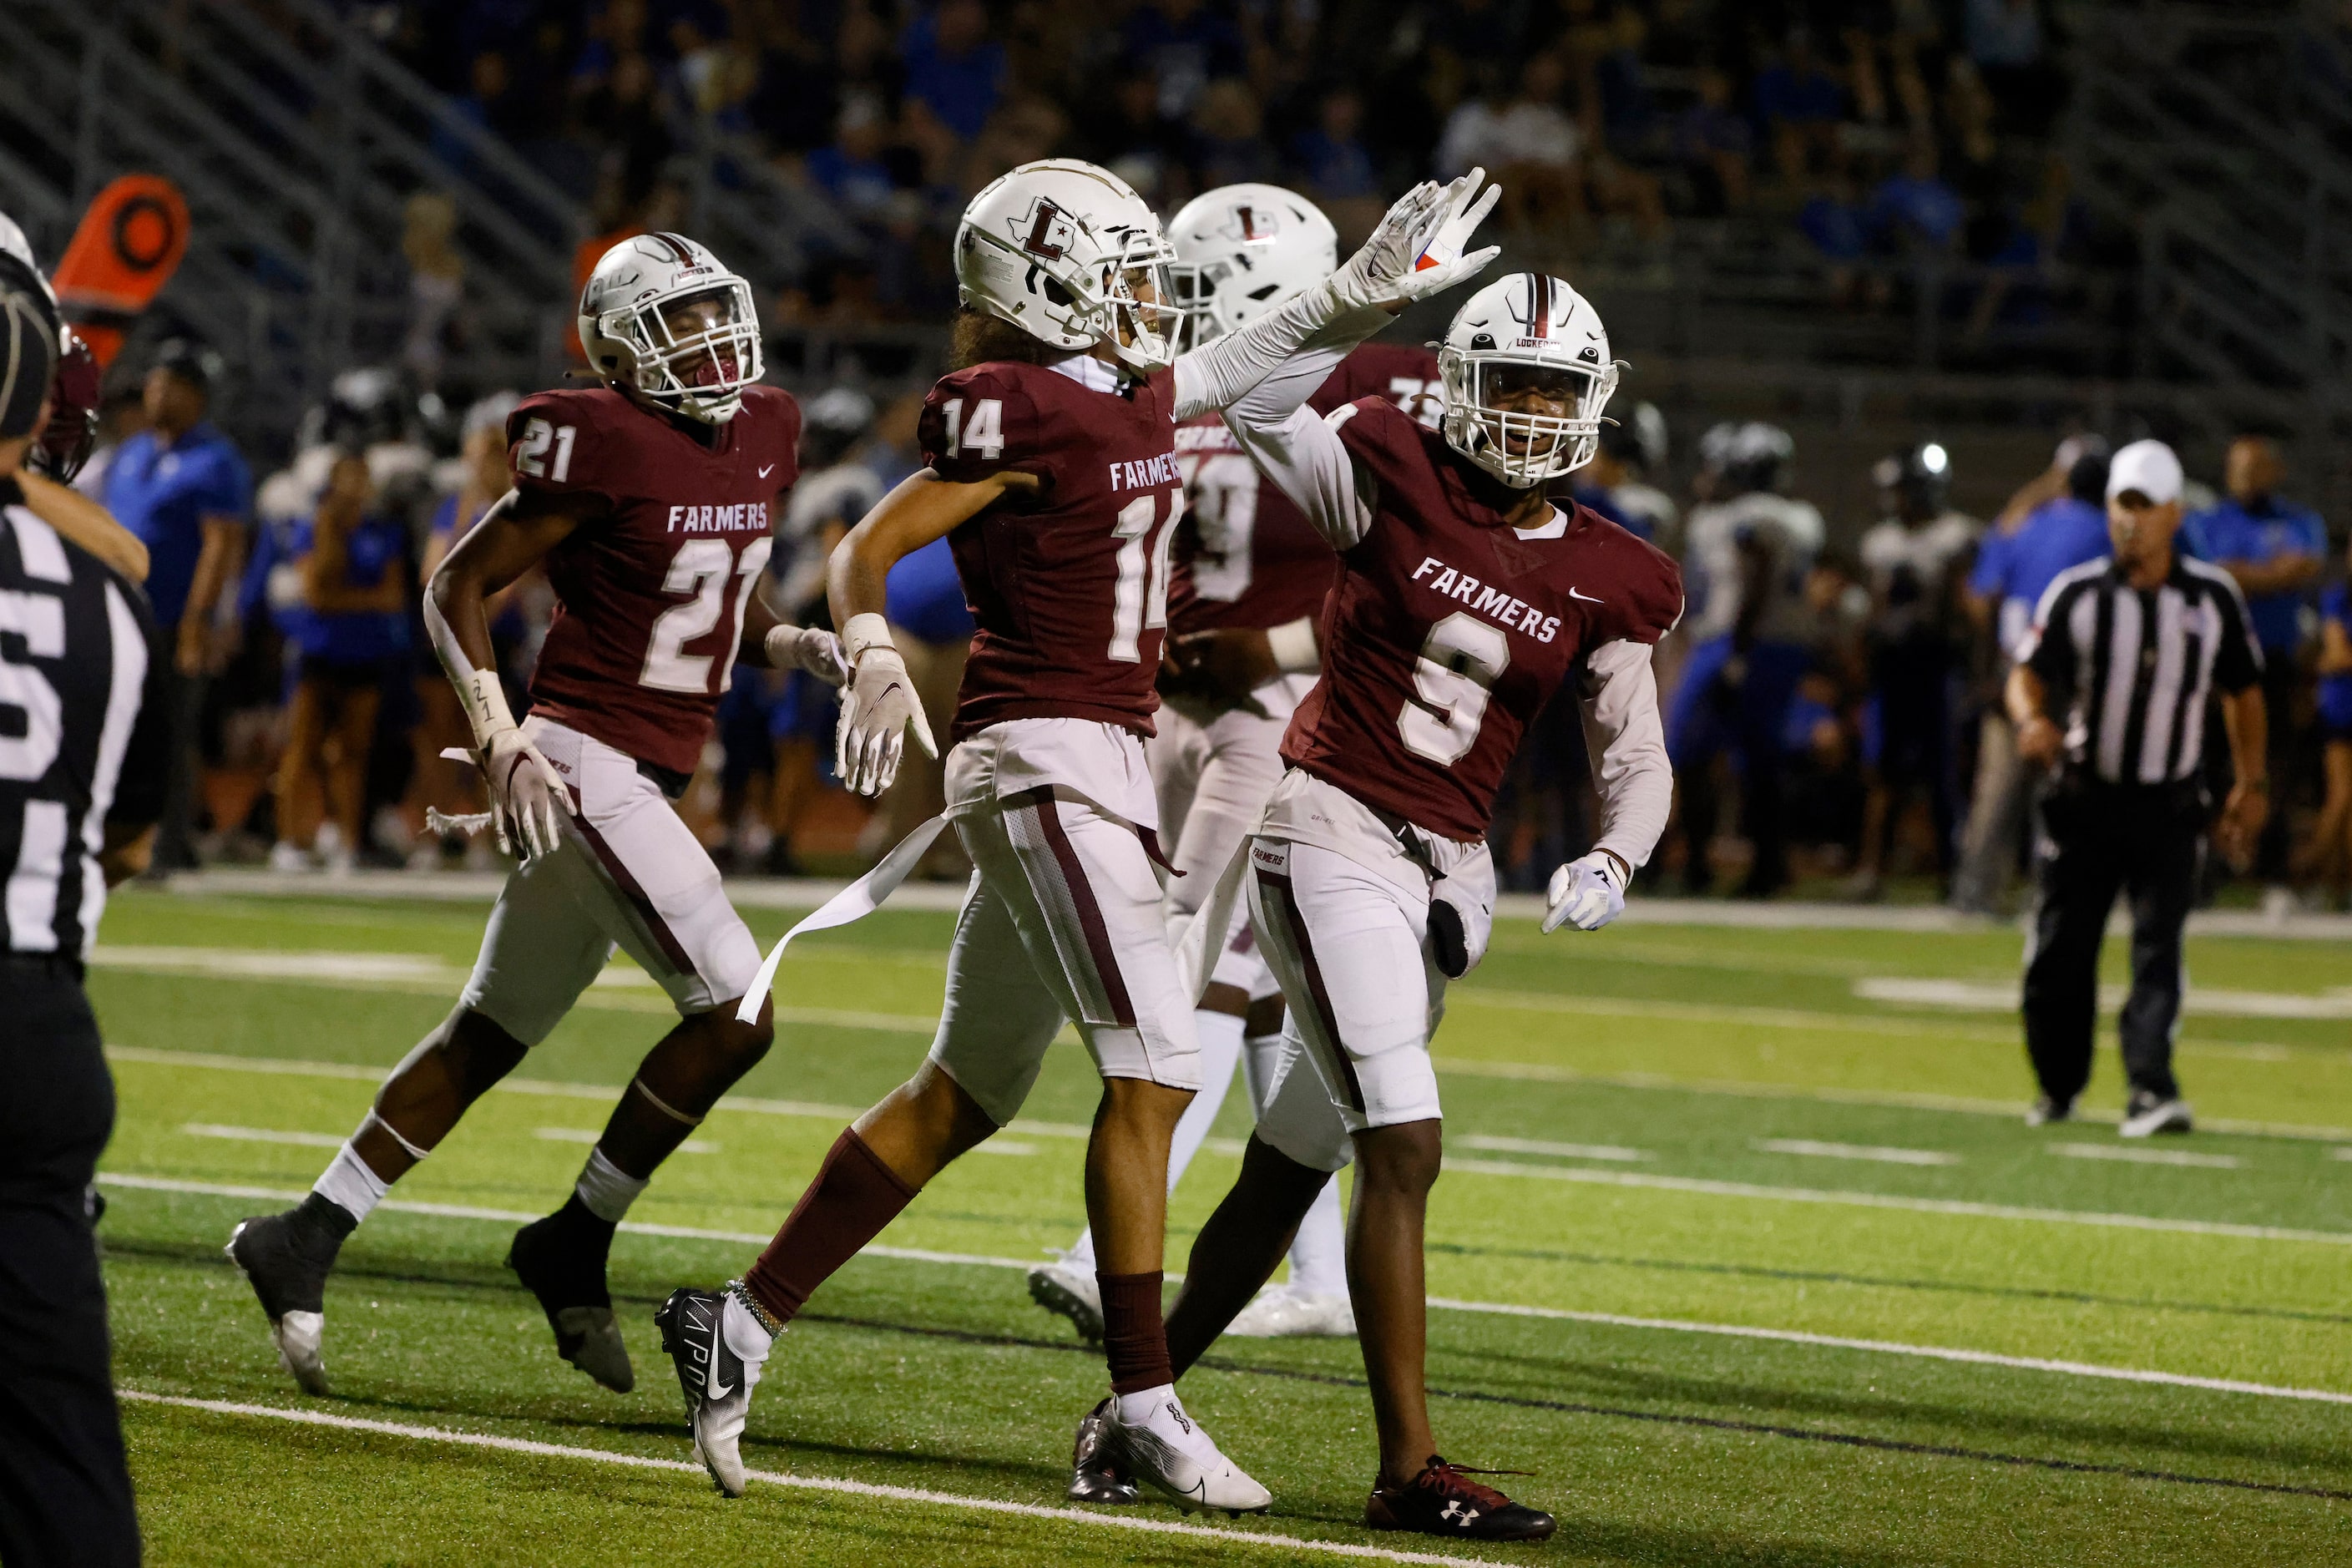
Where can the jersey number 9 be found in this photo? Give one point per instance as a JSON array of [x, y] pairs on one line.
[[1460, 661]]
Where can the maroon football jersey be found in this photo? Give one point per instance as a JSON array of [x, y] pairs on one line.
[[1447, 631], [1246, 557], [650, 587], [1068, 586]]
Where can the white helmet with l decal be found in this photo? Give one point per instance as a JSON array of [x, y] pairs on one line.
[[1069, 253], [665, 318], [1515, 349], [1242, 250]]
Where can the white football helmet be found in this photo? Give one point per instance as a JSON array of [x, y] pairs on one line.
[[1527, 333], [665, 318], [1069, 253], [1244, 250]]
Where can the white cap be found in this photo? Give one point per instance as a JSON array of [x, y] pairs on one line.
[[2147, 467]]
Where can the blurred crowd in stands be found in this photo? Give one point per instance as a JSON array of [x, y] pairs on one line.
[[1878, 136], [1831, 694]]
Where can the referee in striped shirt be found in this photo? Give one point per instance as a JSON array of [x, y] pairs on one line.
[[82, 766], [2109, 694]]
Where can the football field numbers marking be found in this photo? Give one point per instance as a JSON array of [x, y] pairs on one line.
[[1494, 1309], [1871, 1152], [1288, 1544]]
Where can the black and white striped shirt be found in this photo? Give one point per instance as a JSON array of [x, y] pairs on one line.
[[82, 729], [2131, 668]]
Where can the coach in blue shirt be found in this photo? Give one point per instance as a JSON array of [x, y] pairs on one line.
[[184, 488], [2277, 551]]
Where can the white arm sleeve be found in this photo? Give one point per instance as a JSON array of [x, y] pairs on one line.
[[1627, 741], [1303, 454], [1215, 374]]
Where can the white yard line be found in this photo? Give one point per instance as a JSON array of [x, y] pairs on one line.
[[1906, 1100], [263, 1135], [1286, 1543], [1890, 1201], [590, 1135], [1877, 1152], [1981, 997], [1563, 1150], [1931, 1352], [2124, 1154], [1501, 1308]]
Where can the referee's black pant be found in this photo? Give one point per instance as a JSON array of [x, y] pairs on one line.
[[65, 1490], [2096, 841]]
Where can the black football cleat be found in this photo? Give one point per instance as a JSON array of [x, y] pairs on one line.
[[1097, 1472], [561, 1260], [285, 1258], [1444, 1500]]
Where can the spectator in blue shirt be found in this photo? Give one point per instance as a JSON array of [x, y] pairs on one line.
[[351, 636], [1916, 205], [183, 488], [2013, 567], [2276, 550]]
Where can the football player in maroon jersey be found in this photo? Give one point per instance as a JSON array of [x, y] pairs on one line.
[[1053, 475], [1247, 578], [1465, 598], [649, 499]]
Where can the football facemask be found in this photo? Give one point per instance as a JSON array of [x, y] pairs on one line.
[[662, 317], [1527, 371]]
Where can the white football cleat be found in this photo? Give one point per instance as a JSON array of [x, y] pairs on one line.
[[718, 1349], [1067, 1290], [1285, 1312], [1166, 1450]]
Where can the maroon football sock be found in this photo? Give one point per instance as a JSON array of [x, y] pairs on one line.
[[854, 1197], [1135, 1342]]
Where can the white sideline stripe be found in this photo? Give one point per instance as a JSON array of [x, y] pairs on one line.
[[1292, 1543], [2145, 1156], [1875, 1152], [1502, 1308], [1888, 1347], [1890, 1201]]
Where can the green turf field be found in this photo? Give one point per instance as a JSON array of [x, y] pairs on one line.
[[1747, 1266]]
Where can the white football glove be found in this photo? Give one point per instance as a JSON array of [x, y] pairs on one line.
[[806, 647], [1416, 249], [878, 709], [528, 799], [1586, 894]]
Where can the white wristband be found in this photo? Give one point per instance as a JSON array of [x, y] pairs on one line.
[[862, 632], [1292, 647], [485, 701]]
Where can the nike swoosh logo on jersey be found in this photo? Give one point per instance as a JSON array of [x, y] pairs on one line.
[[1586, 598], [766, 471]]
